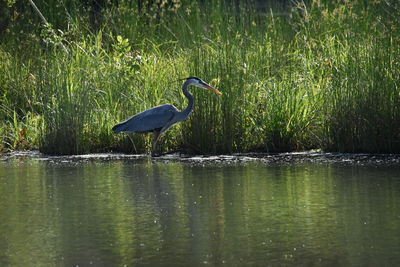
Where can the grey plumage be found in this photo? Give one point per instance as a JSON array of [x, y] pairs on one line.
[[148, 120]]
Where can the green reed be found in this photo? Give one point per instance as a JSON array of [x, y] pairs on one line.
[[319, 76]]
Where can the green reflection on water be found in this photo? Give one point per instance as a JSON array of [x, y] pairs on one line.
[[144, 212]]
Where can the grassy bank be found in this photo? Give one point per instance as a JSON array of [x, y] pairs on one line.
[[314, 76]]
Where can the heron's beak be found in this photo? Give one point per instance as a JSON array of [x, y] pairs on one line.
[[212, 89]]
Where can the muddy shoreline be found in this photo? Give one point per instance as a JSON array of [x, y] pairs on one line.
[[267, 158]]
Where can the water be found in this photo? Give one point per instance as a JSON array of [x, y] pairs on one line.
[[143, 212]]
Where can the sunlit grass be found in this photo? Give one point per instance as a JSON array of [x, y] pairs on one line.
[[319, 77]]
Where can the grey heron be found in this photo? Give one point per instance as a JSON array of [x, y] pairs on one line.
[[159, 119]]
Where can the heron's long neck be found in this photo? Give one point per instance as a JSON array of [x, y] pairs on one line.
[[186, 112]]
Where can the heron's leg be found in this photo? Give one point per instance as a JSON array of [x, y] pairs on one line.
[[156, 135]]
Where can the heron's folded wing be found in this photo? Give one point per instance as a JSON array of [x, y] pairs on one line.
[[148, 120]]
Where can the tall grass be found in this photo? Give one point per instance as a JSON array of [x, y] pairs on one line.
[[319, 76], [364, 114]]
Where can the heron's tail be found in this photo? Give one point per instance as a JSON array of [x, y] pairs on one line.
[[119, 127]]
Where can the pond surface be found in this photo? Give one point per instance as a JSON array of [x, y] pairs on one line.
[[66, 211]]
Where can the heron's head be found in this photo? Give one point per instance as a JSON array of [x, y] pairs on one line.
[[200, 83]]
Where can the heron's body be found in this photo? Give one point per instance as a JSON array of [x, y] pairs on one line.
[[154, 119], [159, 119]]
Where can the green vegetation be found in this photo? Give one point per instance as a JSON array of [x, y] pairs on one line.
[[322, 75]]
